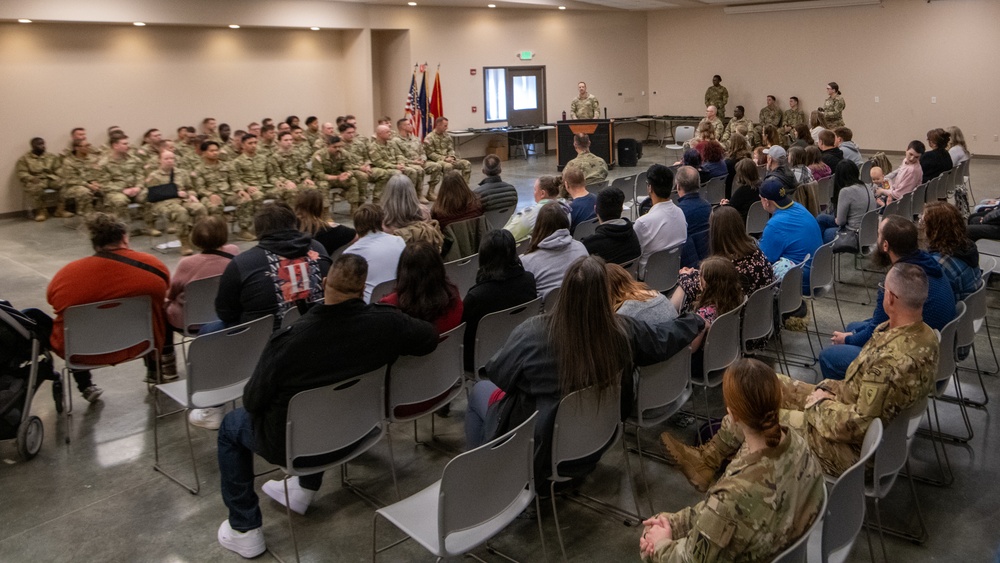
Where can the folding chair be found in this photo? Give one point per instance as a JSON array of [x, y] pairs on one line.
[[199, 307], [218, 366], [662, 390], [522, 246], [662, 268], [420, 385], [625, 183], [945, 375], [587, 423], [821, 282], [798, 551], [342, 421], [596, 187], [457, 513], [107, 327], [976, 303], [494, 329], [721, 348], [757, 219], [585, 229], [824, 191], [866, 172], [919, 200], [845, 506], [867, 239], [758, 317], [462, 273], [550, 299], [682, 134], [289, 317], [497, 218], [789, 301], [893, 208], [715, 190], [381, 290]]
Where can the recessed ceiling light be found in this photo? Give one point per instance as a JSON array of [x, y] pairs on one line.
[[562, 7], [23, 20], [491, 5], [411, 3], [234, 26], [314, 28], [139, 24]]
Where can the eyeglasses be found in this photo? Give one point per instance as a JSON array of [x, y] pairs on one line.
[[881, 286]]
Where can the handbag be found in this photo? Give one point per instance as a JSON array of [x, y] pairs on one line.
[[846, 241], [162, 192]]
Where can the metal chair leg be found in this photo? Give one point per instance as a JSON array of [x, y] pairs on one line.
[[555, 516], [156, 446], [288, 511], [947, 475]]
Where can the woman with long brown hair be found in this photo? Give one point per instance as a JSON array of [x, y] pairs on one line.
[[636, 299], [580, 343], [948, 243], [455, 201], [309, 210], [423, 290], [552, 248], [746, 187], [769, 494]]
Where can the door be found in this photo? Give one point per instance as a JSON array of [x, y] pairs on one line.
[[525, 95]]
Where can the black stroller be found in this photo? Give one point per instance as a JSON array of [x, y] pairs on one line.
[[25, 362]]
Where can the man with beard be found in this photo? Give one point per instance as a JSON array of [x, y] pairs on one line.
[[897, 242]]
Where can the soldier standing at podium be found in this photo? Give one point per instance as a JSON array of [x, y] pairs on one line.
[[585, 106]]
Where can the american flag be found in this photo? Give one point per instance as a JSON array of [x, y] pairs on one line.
[[412, 114]]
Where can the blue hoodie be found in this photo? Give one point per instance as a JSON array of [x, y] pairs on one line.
[[939, 309]]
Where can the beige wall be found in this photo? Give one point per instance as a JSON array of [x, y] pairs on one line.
[[903, 52]]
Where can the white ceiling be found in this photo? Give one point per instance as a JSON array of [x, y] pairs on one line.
[[637, 5]]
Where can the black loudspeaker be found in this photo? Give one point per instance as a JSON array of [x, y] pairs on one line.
[[629, 151]]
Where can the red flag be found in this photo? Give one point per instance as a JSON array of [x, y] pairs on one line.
[[435, 106]]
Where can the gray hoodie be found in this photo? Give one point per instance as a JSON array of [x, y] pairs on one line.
[[551, 259], [852, 152]]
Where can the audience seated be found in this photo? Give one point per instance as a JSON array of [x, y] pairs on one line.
[[493, 192], [851, 199], [693, 159], [329, 344], [721, 292], [113, 272], [614, 240], [696, 211], [284, 270], [455, 201], [947, 242], [405, 217], [803, 138], [746, 188], [797, 166], [902, 180], [423, 290], [501, 283], [895, 369], [814, 160], [309, 210], [635, 299], [380, 250], [546, 191], [728, 239], [957, 148], [593, 167], [664, 226], [844, 141], [791, 233], [552, 249], [936, 160], [736, 150], [985, 223], [580, 343], [581, 206], [897, 243], [830, 154], [817, 123], [776, 463], [777, 161]]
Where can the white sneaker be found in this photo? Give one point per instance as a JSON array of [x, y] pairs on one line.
[[248, 544], [298, 497], [210, 418]]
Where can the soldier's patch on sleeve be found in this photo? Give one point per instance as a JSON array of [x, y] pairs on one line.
[[871, 397], [714, 532]]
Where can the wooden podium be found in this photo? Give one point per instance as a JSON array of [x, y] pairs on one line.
[[602, 139]]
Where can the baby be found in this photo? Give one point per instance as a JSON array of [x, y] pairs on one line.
[[879, 186]]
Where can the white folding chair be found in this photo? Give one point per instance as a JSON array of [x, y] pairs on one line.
[[497, 218], [458, 513], [919, 199], [757, 219], [662, 268], [462, 273], [682, 134], [494, 329], [714, 190], [199, 307], [721, 348], [798, 551], [218, 366], [821, 283], [107, 327], [381, 290], [550, 299], [945, 375], [758, 317], [824, 191]]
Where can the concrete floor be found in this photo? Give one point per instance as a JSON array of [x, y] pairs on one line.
[[98, 499]]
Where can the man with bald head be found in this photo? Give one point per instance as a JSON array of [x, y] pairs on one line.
[[712, 118], [168, 194], [331, 343], [386, 155]]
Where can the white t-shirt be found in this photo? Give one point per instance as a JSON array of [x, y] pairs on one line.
[[382, 252]]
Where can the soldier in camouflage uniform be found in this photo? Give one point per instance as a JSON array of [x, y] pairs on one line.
[[78, 134], [312, 131], [229, 151], [216, 184], [328, 130], [895, 369], [439, 147], [149, 151], [584, 106], [122, 178], [81, 176], [385, 154], [268, 140], [717, 95], [250, 170], [413, 150], [355, 154], [180, 212], [833, 107], [768, 496], [593, 167], [712, 118], [301, 145], [330, 172], [770, 114], [287, 171], [38, 171], [738, 119], [792, 116]]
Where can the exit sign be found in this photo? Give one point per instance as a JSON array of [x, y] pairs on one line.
[[525, 55]]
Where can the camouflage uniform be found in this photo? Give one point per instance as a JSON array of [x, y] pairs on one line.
[[324, 164], [389, 157], [769, 116], [287, 167], [267, 149], [792, 117], [187, 157], [149, 157], [895, 368], [252, 171], [733, 124], [763, 502], [118, 175], [219, 179], [178, 212], [413, 150], [593, 167], [833, 111], [717, 96], [587, 108], [38, 173], [227, 153], [716, 125], [312, 137], [355, 154], [438, 147], [77, 175]]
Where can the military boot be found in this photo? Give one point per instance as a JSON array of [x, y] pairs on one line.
[[186, 249], [62, 213], [690, 461], [41, 214]]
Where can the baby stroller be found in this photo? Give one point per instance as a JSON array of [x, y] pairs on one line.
[[24, 364]]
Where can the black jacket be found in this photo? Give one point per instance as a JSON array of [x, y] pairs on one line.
[[284, 267], [616, 243], [517, 286], [934, 163], [328, 344], [832, 157], [495, 194]]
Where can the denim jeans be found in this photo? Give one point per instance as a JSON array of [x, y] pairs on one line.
[[476, 414], [236, 450], [828, 226], [835, 360]]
